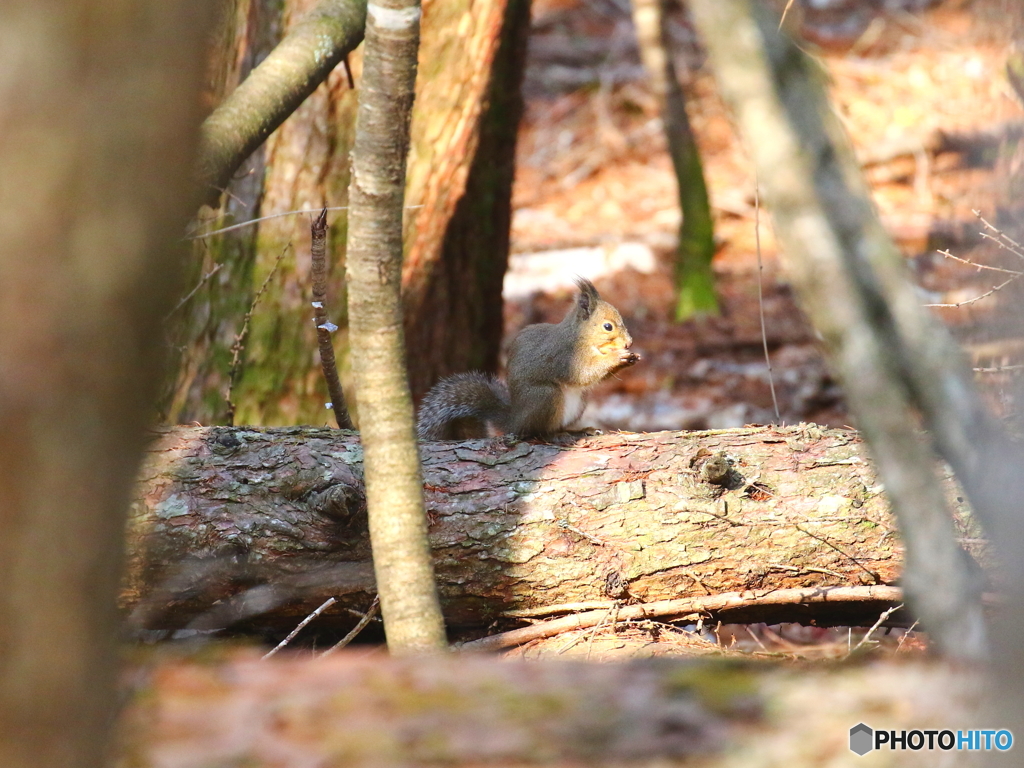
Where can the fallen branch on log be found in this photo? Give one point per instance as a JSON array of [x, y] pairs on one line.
[[264, 525], [741, 605]]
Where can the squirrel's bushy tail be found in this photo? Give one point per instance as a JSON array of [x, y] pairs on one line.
[[463, 397]]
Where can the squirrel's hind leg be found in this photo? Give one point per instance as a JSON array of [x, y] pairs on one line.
[[538, 415]]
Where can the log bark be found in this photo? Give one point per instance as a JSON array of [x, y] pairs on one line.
[[516, 530]]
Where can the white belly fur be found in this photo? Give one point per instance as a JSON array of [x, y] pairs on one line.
[[573, 403]]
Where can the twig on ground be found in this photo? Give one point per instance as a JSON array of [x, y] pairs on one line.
[[884, 615], [367, 618], [686, 607], [760, 290], [291, 635], [239, 343], [324, 327], [999, 369], [756, 639], [610, 618]]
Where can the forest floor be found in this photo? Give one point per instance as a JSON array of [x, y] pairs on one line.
[[595, 196]]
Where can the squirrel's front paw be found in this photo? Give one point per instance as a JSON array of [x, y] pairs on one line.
[[629, 358]]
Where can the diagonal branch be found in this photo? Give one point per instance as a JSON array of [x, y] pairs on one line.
[[276, 88]]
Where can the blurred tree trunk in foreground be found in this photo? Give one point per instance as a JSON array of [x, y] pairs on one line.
[[98, 119], [900, 368], [460, 171]]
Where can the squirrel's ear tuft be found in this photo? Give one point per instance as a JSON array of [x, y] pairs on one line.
[[588, 298]]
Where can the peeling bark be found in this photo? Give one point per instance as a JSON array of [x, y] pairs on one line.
[[526, 528]]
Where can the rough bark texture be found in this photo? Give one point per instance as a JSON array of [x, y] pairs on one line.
[[352, 711], [515, 530], [293, 70], [394, 494], [98, 123], [893, 358], [201, 333], [461, 166]]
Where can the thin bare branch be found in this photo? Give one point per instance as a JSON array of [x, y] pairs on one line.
[[324, 327], [782, 18], [1005, 240], [986, 294], [190, 294], [291, 635], [367, 618], [250, 222], [847, 555], [978, 266], [760, 290]]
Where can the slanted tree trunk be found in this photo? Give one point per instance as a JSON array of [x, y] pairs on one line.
[[98, 122], [894, 359], [317, 43], [515, 531]]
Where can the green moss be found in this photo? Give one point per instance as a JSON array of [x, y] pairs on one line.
[[723, 687]]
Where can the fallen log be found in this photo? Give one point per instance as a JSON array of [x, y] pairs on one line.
[[233, 523]]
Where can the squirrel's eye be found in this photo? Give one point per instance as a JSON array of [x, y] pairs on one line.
[[607, 326]]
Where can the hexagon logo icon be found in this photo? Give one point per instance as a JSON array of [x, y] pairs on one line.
[[861, 739]]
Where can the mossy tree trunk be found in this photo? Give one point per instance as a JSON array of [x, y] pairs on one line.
[[695, 286], [460, 172]]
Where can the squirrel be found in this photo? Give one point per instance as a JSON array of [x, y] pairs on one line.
[[551, 368]]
